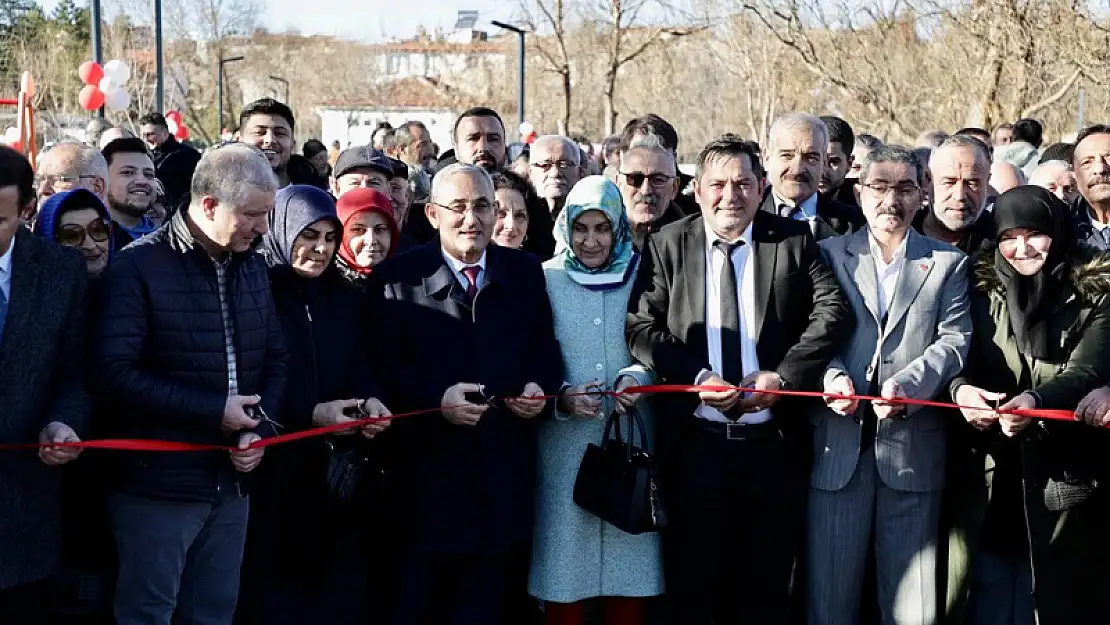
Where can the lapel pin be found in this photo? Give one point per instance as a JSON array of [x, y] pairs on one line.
[[924, 267]]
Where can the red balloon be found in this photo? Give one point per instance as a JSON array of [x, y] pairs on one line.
[[90, 72], [17, 146], [91, 97], [182, 132], [175, 116]]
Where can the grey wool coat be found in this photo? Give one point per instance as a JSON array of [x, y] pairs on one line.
[[41, 380], [575, 555]]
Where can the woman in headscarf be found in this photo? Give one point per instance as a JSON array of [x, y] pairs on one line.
[[309, 556], [577, 556], [78, 219], [368, 232], [1031, 544]]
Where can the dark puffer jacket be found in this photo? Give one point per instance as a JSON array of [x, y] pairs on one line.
[[160, 359]]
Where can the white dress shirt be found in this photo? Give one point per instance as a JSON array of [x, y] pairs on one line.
[[457, 265], [887, 274], [807, 209], [6, 272], [715, 264]]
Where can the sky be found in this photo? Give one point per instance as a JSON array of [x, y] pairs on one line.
[[368, 20]]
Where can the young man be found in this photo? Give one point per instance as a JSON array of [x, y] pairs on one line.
[[268, 125]]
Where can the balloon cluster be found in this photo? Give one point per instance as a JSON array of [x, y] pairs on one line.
[[177, 127], [104, 86], [527, 133], [10, 138]]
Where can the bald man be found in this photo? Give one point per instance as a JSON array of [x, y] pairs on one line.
[[1005, 176], [1056, 177]]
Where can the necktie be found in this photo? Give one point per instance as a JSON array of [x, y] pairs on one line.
[[471, 274], [3, 312], [732, 366], [796, 213]]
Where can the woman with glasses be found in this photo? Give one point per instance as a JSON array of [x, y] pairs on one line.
[[577, 556], [370, 234], [78, 219], [1032, 540]]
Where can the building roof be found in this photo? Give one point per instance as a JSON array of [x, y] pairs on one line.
[[414, 92]]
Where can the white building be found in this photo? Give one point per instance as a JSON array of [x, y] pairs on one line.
[[412, 99]]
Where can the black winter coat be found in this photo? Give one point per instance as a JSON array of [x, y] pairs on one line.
[[175, 163], [161, 364]]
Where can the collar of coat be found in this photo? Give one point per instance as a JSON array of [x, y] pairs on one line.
[[1089, 276], [181, 239]]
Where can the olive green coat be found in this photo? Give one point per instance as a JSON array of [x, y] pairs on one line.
[[1063, 465]]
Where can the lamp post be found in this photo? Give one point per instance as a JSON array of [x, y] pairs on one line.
[[160, 81], [520, 78], [98, 51], [285, 83], [220, 93]]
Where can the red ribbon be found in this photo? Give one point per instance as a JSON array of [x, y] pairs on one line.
[[132, 444]]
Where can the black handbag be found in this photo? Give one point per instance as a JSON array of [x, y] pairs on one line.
[[350, 473], [616, 480]]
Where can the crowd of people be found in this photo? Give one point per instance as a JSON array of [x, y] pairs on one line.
[[516, 296]]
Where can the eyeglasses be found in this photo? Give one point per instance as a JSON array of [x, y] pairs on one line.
[[480, 209], [547, 165], [61, 183], [636, 179], [73, 235], [900, 190]]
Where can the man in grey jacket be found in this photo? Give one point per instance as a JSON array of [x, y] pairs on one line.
[[879, 468]]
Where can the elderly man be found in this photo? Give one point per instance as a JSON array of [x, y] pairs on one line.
[[479, 137], [68, 166], [94, 129], [879, 470], [704, 311], [1057, 178], [1005, 176], [649, 186], [464, 476], [268, 125], [834, 182], [175, 162], [960, 169], [795, 160], [42, 347], [131, 193], [553, 169], [1003, 135], [1091, 161], [188, 348], [654, 125], [412, 144], [361, 167]]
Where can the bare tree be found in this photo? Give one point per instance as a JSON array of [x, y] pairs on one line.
[[553, 48]]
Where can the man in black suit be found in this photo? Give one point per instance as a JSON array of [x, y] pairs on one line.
[[733, 296], [796, 159], [464, 323], [42, 393]]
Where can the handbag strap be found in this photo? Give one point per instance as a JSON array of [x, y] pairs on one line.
[[635, 418]]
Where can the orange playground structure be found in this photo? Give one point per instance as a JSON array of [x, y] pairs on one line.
[[24, 140]]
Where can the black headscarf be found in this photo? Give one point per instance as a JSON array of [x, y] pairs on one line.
[[1030, 300], [296, 207]]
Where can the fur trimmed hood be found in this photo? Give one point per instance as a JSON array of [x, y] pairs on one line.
[[1089, 276]]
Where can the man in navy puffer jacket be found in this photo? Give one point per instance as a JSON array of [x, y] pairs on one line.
[[187, 347]]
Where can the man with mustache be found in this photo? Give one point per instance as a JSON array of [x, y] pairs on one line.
[[649, 186], [1091, 162], [655, 126], [795, 161], [479, 137], [268, 125], [131, 178], [960, 169], [879, 469], [553, 170]]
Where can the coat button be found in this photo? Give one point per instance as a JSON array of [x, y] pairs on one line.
[[597, 321], [599, 366]]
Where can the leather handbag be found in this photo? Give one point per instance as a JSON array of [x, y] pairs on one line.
[[617, 482], [351, 474]]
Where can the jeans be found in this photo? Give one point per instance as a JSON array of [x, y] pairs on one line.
[[178, 561], [1001, 590]]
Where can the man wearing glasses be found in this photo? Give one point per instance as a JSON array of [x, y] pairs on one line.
[[879, 468], [71, 166], [554, 169], [647, 180], [469, 325]]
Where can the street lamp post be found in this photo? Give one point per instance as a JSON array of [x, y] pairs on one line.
[[160, 81], [285, 83], [220, 93], [520, 78]]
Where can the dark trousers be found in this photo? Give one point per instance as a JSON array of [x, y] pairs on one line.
[[178, 561], [737, 511], [437, 589], [27, 604]]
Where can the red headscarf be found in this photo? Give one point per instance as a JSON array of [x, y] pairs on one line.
[[365, 201]]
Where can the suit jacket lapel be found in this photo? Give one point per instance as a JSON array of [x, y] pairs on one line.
[[25, 299], [766, 253], [919, 264], [693, 283], [861, 265], [439, 277]]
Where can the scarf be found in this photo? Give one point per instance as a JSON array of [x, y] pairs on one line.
[[1030, 300], [596, 193], [296, 207], [363, 201]]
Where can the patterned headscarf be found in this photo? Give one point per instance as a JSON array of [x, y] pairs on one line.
[[596, 193]]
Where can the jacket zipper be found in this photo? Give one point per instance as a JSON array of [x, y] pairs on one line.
[[1029, 538]]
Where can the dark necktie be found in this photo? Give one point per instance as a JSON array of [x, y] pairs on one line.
[[471, 274], [3, 313], [732, 366], [870, 423]]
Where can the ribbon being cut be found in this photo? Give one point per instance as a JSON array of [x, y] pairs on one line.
[[128, 444]]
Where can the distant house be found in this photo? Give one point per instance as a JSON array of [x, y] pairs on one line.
[[409, 99]]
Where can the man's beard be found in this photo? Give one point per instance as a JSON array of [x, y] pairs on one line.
[[130, 209]]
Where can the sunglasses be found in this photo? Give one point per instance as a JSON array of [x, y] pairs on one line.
[[73, 235]]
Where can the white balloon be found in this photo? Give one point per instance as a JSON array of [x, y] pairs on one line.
[[171, 126], [11, 135], [117, 100], [108, 84], [118, 70], [526, 128]]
